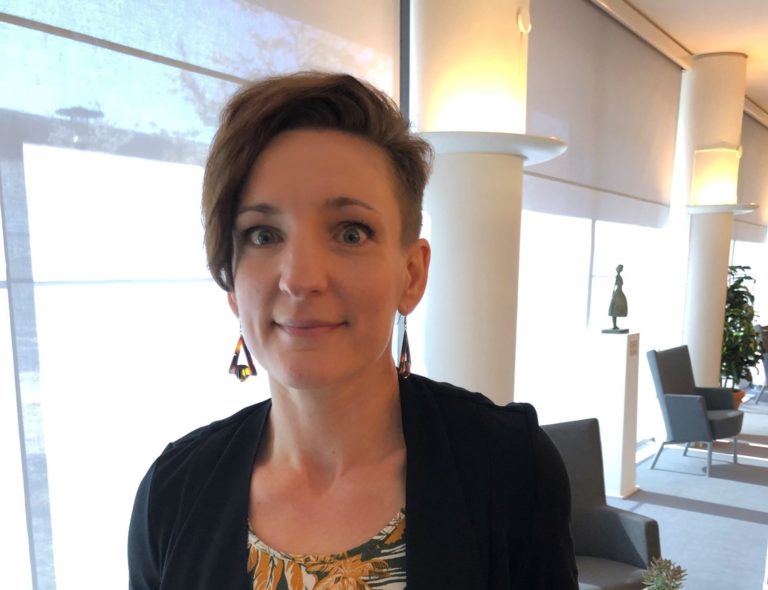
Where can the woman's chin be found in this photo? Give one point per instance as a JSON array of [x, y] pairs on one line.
[[305, 378], [322, 371]]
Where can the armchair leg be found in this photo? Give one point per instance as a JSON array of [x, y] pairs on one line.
[[685, 451], [658, 453], [735, 453], [709, 457]]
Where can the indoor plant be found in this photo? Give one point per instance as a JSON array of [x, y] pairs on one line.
[[742, 345], [663, 574]]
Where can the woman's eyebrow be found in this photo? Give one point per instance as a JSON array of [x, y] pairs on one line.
[[264, 208], [343, 201], [331, 203]]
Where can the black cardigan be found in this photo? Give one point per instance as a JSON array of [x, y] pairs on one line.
[[487, 500]]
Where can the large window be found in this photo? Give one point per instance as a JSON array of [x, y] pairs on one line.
[[113, 338]]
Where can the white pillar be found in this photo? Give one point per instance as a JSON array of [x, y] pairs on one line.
[[716, 104], [468, 90], [474, 202], [708, 255]]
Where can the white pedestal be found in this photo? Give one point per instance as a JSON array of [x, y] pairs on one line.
[[615, 406]]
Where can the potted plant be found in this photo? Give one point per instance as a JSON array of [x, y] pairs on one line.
[[742, 346], [663, 574]]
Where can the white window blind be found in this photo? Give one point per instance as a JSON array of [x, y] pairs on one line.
[[614, 100], [237, 38], [753, 182]]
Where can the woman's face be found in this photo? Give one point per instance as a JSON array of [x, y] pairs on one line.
[[320, 267]]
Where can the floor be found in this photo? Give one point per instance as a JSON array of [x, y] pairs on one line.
[[716, 527]]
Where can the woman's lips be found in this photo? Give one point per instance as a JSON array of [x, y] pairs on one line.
[[307, 327]]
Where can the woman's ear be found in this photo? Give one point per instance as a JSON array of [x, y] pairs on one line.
[[417, 270], [232, 300]]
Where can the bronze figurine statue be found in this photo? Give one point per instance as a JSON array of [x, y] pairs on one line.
[[618, 306]]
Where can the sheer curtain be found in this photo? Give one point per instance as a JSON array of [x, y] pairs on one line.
[[113, 339]]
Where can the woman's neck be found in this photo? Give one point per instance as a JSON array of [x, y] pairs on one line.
[[326, 433]]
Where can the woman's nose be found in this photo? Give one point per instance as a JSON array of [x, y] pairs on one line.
[[303, 269]]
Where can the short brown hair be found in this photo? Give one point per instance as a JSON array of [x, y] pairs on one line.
[[262, 110]]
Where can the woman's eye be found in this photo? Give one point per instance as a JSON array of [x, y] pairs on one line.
[[355, 234], [263, 236]]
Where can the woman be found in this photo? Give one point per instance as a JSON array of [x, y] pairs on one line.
[[354, 474]]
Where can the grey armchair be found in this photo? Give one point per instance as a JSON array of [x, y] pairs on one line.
[[613, 546], [691, 414]]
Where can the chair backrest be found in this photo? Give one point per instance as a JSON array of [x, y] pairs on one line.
[[579, 445], [672, 371]]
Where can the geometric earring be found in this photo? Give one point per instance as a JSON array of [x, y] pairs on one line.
[[242, 372], [404, 366]]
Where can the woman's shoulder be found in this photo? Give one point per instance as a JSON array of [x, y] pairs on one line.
[[471, 416], [452, 399], [219, 430], [199, 450], [185, 477]]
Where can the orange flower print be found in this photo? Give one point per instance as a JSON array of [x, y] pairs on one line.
[[266, 571], [397, 533], [348, 573], [378, 564]]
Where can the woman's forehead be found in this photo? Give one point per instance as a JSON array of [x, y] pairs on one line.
[[332, 169]]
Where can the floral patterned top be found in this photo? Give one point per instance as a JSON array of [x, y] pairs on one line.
[[377, 564]]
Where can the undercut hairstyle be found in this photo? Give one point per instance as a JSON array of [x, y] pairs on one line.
[[264, 109]]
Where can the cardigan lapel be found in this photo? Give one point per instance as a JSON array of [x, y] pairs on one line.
[[441, 549], [211, 548]]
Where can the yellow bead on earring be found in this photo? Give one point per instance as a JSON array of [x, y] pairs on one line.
[[242, 372]]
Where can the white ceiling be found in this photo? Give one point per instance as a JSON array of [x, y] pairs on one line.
[[708, 26]]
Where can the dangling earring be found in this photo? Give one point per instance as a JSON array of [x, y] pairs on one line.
[[404, 366], [242, 372]]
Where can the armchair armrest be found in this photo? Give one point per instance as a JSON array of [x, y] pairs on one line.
[[687, 416], [618, 535], [717, 398]]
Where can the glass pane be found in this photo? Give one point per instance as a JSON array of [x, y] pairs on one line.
[[96, 217], [124, 369], [95, 99], [242, 38], [132, 335], [14, 543], [552, 310]]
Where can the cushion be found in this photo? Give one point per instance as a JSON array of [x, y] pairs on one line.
[[603, 574], [725, 423]]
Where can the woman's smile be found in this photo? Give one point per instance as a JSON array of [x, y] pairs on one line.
[[308, 328]]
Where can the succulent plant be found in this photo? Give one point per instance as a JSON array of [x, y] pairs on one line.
[[663, 574]]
